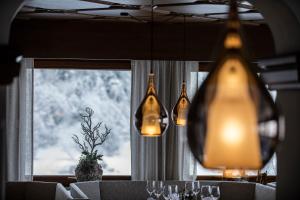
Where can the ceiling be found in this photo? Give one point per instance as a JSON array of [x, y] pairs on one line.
[[170, 11]]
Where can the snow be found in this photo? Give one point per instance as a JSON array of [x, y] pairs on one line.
[[59, 97]]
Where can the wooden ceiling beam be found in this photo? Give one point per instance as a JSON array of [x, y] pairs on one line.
[[128, 40]]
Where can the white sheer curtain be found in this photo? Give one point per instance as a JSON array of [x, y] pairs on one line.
[[19, 132], [167, 157], [2, 143]]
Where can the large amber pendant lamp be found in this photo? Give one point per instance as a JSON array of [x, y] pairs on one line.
[[233, 122]]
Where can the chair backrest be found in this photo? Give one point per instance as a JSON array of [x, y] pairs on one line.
[[231, 190], [181, 184], [135, 190], [117, 190], [122, 190], [62, 193], [15, 190], [85, 190], [264, 192], [30, 191]]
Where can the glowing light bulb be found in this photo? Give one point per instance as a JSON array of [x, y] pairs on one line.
[[231, 131], [182, 112], [233, 40], [151, 119]]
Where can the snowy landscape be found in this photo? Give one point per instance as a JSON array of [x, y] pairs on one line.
[[59, 97]]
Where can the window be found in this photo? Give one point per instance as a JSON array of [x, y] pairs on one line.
[[270, 168], [59, 96]]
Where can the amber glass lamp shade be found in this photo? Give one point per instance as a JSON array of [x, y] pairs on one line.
[[179, 112], [151, 118], [233, 122]]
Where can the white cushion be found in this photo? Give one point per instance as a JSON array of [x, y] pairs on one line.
[[90, 189], [263, 192], [62, 193]]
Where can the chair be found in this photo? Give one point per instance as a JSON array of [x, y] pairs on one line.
[[36, 191], [136, 190], [30, 191], [264, 192], [82, 193], [85, 190]]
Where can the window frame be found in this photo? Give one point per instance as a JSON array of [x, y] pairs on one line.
[[79, 64], [67, 180], [91, 64], [82, 64]]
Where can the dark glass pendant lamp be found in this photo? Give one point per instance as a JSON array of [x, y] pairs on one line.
[[151, 117], [233, 122], [179, 112]]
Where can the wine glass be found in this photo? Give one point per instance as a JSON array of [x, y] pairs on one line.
[[189, 189], [197, 188], [150, 187], [206, 192], [166, 193], [158, 189], [215, 192], [171, 192]]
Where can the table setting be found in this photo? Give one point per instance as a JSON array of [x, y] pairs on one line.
[[192, 191]]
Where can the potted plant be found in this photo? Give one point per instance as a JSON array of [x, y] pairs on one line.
[[88, 168]]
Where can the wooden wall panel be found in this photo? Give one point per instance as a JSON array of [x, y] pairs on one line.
[[80, 64], [112, 40]]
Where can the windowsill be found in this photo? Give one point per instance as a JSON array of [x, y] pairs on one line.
[[67, 179], [249, 178]]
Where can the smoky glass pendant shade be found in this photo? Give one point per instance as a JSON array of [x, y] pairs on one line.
[[233, 122], [179, 112], [151, 117]]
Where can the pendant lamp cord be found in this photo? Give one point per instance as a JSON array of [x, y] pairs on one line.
[[152, 39], [184, 47], [233, 12]]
